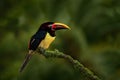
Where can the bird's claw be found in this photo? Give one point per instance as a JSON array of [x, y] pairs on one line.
[[41, 50]]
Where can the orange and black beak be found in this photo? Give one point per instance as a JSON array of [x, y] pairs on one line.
[[58, 26]]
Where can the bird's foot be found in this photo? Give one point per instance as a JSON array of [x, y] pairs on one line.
[[41, 50]]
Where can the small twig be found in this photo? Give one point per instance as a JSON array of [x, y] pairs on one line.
[[76, 64]]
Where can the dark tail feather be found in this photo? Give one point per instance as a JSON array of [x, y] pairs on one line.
[[27, 58]]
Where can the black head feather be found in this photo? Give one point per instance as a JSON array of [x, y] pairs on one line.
[[45, 26]]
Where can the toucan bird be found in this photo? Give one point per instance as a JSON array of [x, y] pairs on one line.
[[42, 38]]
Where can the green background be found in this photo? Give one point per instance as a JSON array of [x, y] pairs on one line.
[[94, 38]]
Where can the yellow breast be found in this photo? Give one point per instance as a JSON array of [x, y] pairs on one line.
[[45, 43]]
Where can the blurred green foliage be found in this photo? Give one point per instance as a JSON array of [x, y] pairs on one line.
[[94, 38]]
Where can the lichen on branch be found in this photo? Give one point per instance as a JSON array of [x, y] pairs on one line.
[[76, 64]]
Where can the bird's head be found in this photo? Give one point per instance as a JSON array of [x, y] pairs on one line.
[[51, 27]]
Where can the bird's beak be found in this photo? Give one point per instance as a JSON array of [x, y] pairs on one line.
[[59, 26]]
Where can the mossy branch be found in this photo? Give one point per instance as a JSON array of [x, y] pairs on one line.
[[76, 64]]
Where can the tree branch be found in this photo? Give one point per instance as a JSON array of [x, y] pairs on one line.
[[88, 75]]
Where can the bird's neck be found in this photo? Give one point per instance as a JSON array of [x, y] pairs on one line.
[[52, 33]]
